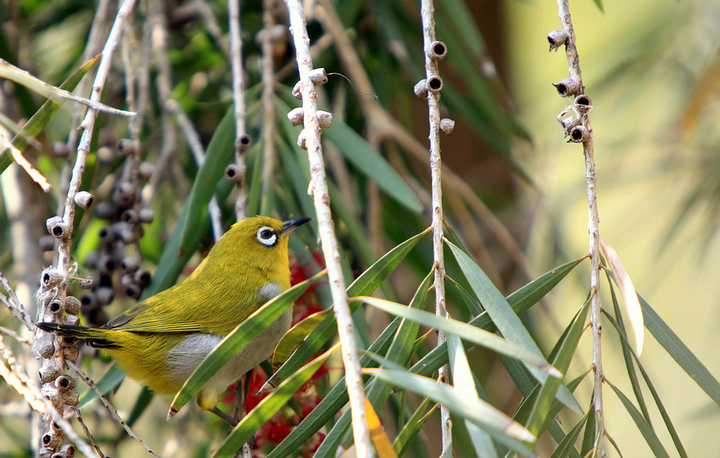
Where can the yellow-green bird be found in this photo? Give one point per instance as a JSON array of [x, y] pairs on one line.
[[160, 341]]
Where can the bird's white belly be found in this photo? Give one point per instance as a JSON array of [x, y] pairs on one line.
[[189, 353]]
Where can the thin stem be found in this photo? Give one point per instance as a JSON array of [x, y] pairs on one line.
[[311, 132], [268, 103], [431, 71], [87, 128], [164, 80], [593, 230], [238, 103], [113, 412]]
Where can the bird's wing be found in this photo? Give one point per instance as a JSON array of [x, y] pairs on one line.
[[160, 313], [216, 312]]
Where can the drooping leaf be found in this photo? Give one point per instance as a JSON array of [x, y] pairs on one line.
[[643, 426], [366, 283], [680, 352], [464, 330], [507, 322], [243, 334], [482, 414], [217, 157], [41, 117], [269, 406]]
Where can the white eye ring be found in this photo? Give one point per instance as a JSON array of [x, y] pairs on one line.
[[267, 236]]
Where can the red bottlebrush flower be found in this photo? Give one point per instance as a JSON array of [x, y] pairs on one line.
[[275, 431]]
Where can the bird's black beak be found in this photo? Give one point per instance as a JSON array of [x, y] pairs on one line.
[[291, 224]]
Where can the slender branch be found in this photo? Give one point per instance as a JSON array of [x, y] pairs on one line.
[[15, 376], [384, 126], [593, 223], [14, 305], [164, 81], [91, 49], [87, 127], [427, 11], [55, 350], [238, 104], [311, 133], [113, 412], [212, 26], [268, 103], [85, 429], [20, 76]]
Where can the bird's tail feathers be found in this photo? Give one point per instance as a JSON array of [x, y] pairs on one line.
[[93, 336]]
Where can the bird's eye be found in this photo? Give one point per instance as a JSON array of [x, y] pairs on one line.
[[267, 236]]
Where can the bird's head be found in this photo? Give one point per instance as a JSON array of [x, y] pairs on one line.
[[259, 242]]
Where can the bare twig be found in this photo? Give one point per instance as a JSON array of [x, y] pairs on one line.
[[311, 133], [164, 82], [593, 226], [268, 103], [91, 49], [20, 76], [108, 406], [212, 26], [87, 127], [427, 11], [14, 305], [238, 104], [14, 335], [85, 429], [56, 288], [15, 376]]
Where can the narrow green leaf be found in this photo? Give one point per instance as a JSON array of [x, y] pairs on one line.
[[480, 413], [107, 383], [464, 380], [521, 300], [656, 396], [563, 448], [464, 330], [680, 352], [243, 334], [142, 402], [332, 402], [505, 319], [588, 442], [471, 303], [397, 356], [296, 334], [16, 129], [217, 157], [41, 117], [542, 413], [371, 163], [366, 283], [257, 417], [643, 426], [412, 427]]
